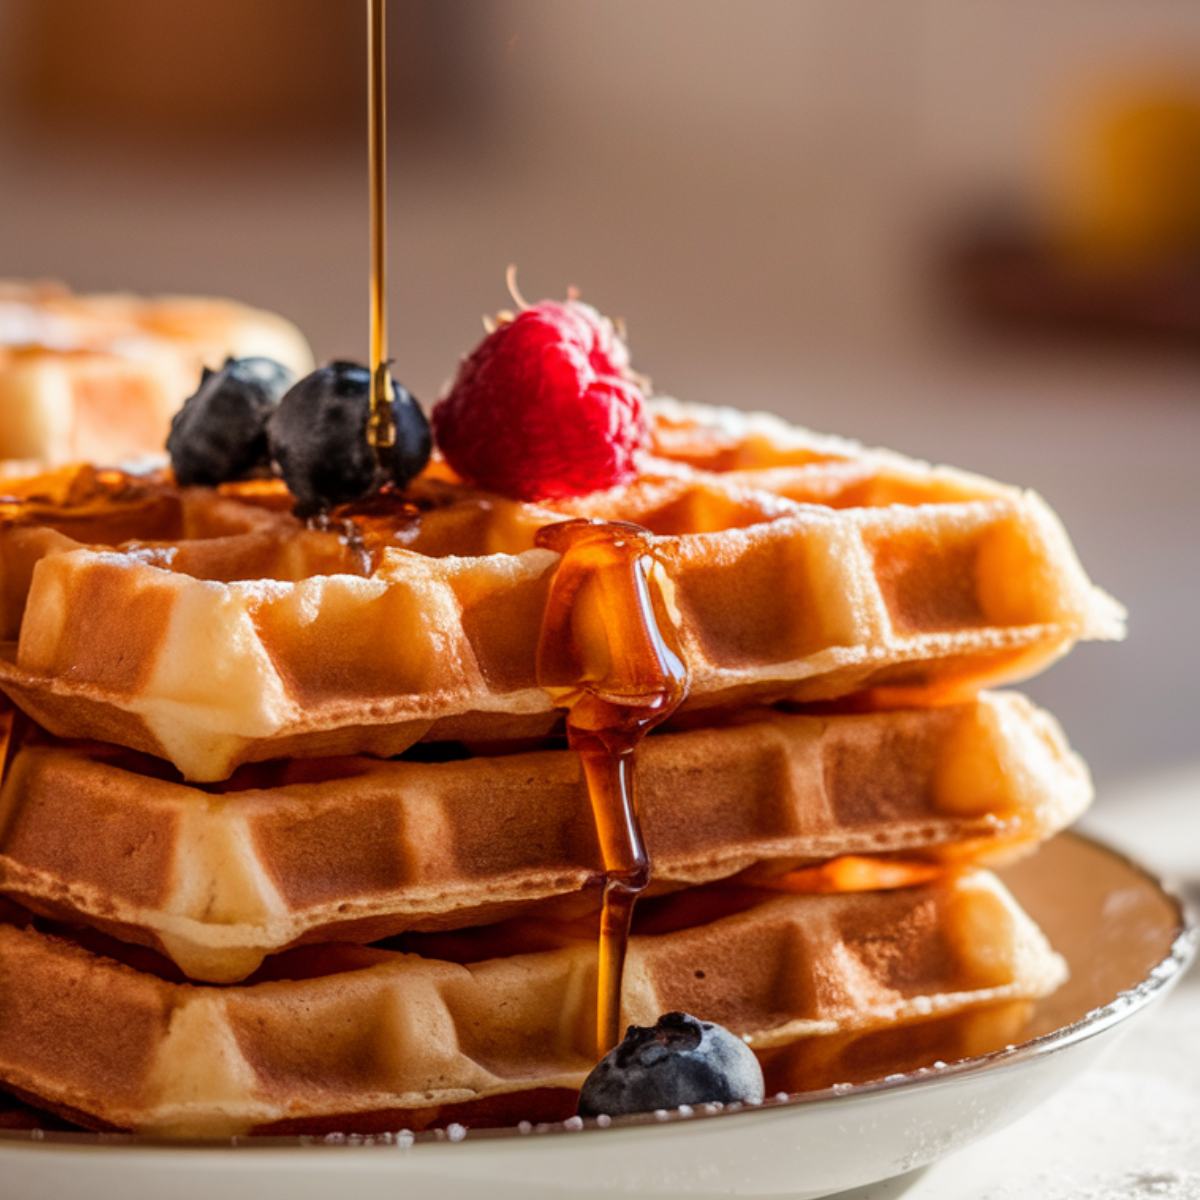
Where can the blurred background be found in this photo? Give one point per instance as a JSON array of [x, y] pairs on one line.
[[967, 229]]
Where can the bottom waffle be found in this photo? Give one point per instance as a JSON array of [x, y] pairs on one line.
[[359, 1038], [809, 1064]]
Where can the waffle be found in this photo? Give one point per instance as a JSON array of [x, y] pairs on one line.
[[213, 629], [803, 1066], [350, 1037], [99, 377], [357, 849], [911, 1046]]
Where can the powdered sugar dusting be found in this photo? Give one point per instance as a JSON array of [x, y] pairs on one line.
[[1128, 1131], [1167, 1183]]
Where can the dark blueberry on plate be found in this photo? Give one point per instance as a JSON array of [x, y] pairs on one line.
[[679, 1060], [220, 432], [318, 438]]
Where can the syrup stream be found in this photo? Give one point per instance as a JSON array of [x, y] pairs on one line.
[[381, 429], [609, 654], [640, 678]]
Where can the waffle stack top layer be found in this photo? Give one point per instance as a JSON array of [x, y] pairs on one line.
[[99, 377], [213, 630], [351, 1037], [357, 849]]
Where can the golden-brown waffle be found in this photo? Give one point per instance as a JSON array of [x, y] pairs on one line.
[[99, 377], [213, 629], [357, 849], [802, 1066], [911, 1046], [349, 1037]]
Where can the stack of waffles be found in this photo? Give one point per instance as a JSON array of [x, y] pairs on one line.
[[100, 376], [290, 839]]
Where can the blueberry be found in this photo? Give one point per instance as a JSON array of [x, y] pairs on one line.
[[318, 438], [680, 1060], [414, 440], [220, 432]]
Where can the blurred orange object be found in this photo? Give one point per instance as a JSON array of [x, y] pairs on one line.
[[1125, 181], [221, 67]]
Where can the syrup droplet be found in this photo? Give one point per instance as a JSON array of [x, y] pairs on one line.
[[609, 654]]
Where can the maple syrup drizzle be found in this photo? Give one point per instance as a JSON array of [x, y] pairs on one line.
[[381, 428], [609, 654], [79, 490]]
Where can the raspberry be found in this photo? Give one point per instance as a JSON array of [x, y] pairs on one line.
[[545, 406]]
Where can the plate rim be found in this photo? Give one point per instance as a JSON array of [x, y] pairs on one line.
[[1129, 1002]]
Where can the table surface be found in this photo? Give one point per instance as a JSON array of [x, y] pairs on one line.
[[1130, 1128]]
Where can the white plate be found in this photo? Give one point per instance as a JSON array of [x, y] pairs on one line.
[[1127, 941]]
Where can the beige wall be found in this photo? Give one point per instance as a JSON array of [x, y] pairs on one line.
[[753, 184]]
